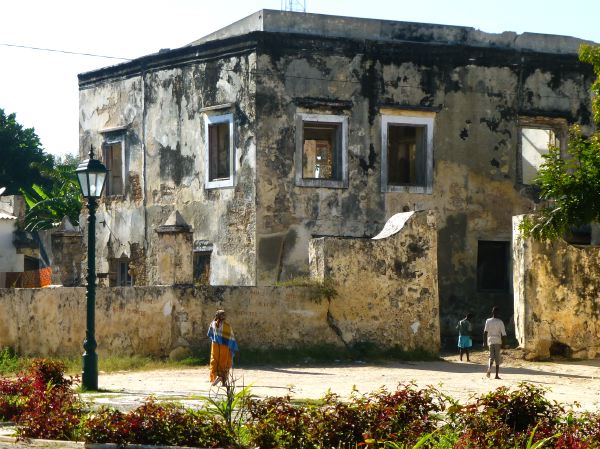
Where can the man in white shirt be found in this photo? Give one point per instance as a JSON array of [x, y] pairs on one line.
[[493, 336]]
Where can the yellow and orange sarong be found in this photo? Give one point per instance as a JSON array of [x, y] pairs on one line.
[[221, 360], [222, 350]]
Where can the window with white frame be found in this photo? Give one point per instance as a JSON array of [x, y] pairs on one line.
[[536, 135], [407, 153], [114, 161], [219, 151], [321, 150]]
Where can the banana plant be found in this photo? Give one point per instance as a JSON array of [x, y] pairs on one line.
[[47, 206]]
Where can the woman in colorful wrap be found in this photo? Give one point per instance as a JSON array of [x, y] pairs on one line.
[[222, 349]]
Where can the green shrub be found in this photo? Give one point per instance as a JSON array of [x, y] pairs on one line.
[[9, 362], [505, 418], [404, 415]]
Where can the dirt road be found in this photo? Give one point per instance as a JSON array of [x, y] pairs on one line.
[[568, 381]]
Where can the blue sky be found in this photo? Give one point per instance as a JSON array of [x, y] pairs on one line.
[[41, 86]]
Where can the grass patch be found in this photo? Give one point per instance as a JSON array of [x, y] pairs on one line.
[[320, 289], [10, 363], [366, 352], [111, 364]]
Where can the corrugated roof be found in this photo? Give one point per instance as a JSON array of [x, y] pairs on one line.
[[5, 216]]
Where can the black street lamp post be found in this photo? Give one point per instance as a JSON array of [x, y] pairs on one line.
[[91, 175]]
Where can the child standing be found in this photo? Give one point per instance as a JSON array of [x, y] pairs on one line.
[[464, 335]]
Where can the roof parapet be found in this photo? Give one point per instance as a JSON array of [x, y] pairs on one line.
[[388, 30]]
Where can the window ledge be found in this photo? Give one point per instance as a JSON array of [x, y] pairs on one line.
[[219, 184], [425, 190], [325, 183]]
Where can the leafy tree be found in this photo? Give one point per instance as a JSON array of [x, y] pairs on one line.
[[570, 185], [22, 158], [47, 206]]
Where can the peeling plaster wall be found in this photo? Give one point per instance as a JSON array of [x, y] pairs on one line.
[[390, 283], [477, 85], [162, 113], [557, 294], [120, 220], [156, 320], [477, 93], [9, 259]]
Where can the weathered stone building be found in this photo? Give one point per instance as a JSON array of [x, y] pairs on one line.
[[286, 126]]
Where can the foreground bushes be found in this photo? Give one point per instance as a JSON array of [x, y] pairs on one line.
[[404, 415], [41, 401], [44, 405], [155, 423]]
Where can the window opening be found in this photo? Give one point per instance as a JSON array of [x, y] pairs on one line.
[[219, 151], [31, 263], [113, 157], [534, 145], [493, 265], [320, 151], [321, 157], [202, 267], [120, 273], [407, 153]]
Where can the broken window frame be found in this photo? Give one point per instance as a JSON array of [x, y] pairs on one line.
[[340, 150], [112, 138], [426, 121], [120, 272], [507, 266], [216, 183], [558, 125], [204, 277]]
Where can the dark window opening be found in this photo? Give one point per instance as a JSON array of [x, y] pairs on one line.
[[218, 150], [406, 155], [113, 158], [120, 273], [321, 155], [202, 267], [493, 265], [579, 235], [31, 263]]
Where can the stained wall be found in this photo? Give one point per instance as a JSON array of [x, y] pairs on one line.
[[390, 283], [476, 86], [272, 67], [557, 298], [160, 114]]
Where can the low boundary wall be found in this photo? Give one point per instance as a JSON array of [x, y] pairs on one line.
[[386, 297], [156, 320]]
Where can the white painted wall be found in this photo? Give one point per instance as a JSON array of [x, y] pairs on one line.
[[9, 259]]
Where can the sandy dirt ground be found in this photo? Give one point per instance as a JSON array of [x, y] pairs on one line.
[[568, 382]]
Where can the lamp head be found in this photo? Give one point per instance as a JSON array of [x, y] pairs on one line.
[[91, 175]]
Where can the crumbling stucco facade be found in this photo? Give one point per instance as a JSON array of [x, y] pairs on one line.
[[556, 298], [274, 73], [156, 116], [400, 314], [389, 281]]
